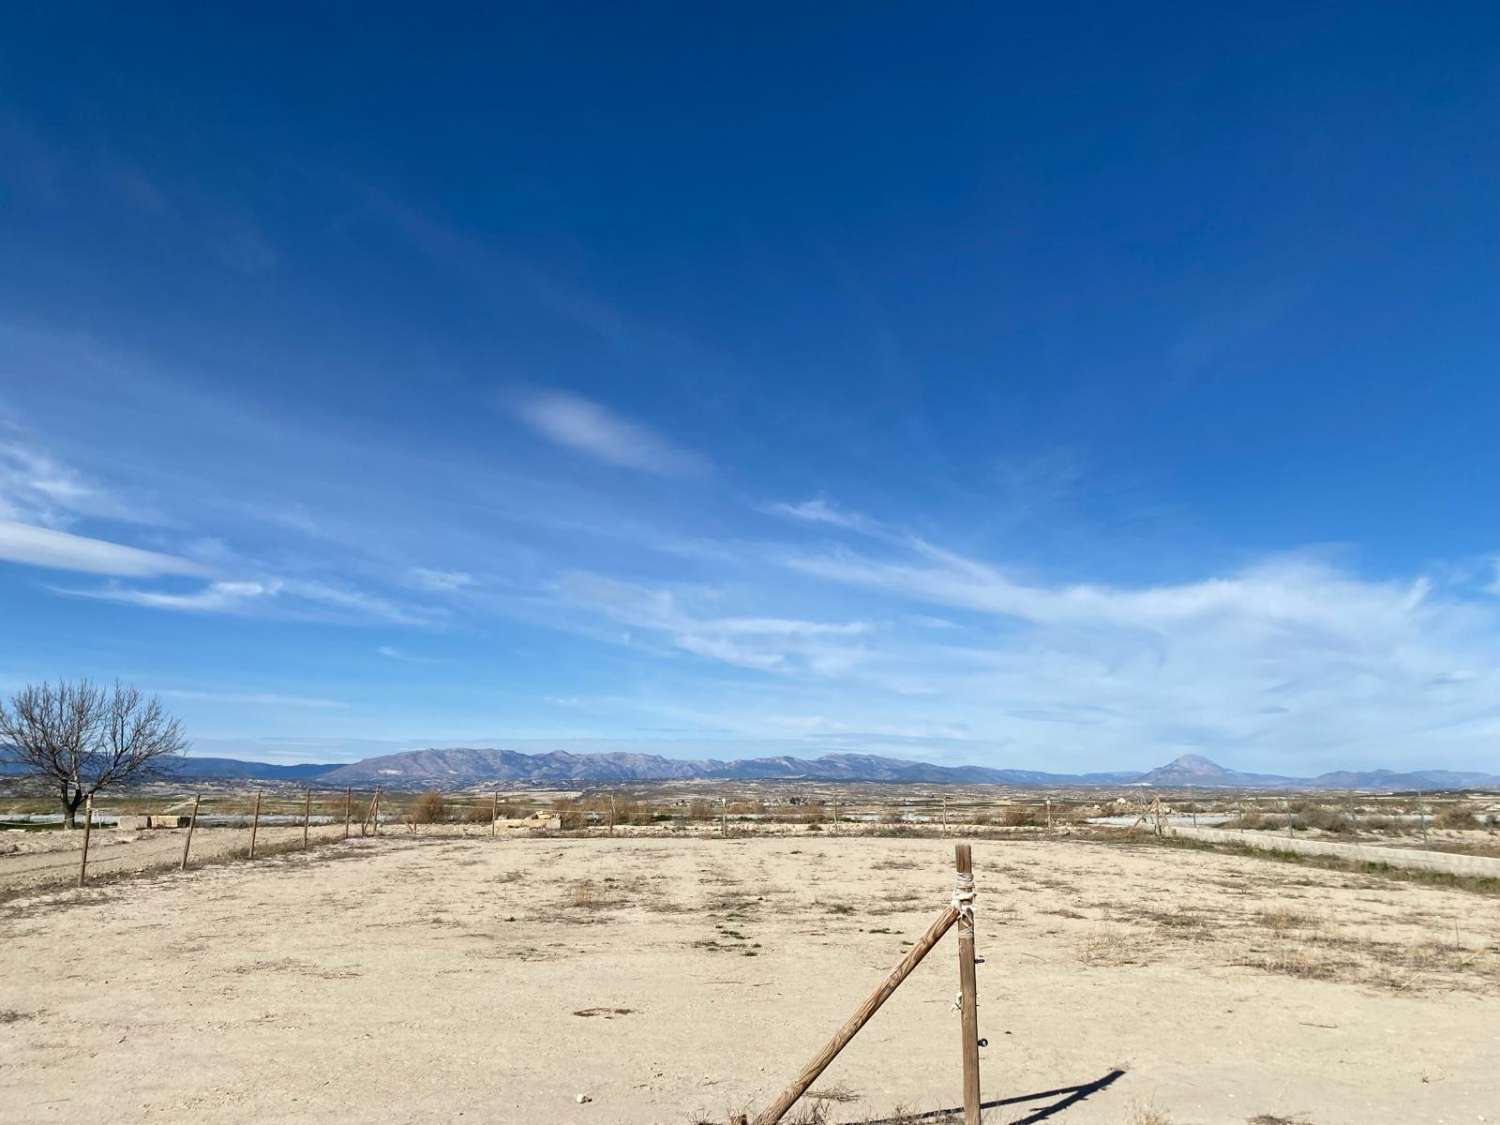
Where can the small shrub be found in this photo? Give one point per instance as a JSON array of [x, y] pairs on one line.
[[1324, 819], [1023, 816], [429, 808], [1456, 816]]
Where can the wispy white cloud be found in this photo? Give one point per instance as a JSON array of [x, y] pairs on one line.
[[251, 698], [821, 511], [274, 596], [587, 427], [1289, 658], [62, 550], [37, 488], [441, 581], [749, 642], [216, 597], [391, 652]]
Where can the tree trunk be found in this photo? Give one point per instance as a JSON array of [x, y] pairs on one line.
[[71, 804]]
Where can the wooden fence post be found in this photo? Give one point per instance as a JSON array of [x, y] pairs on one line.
[[788, 1097], [945, 812], [88, 826], [192, 824], [968, 994], [835, 816], [254, 823], [611, 814], [724, 817], [375, 820], [495, 813], [348, 809], [306, 814], [364, 821]]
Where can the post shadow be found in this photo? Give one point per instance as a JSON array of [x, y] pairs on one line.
[[1067, 1096]]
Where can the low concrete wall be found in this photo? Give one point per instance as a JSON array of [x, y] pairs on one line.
[[1445, 862]]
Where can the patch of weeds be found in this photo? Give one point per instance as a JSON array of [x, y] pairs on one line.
[[838, 1093], [1301, 961], [1144, 1113], [1107, 947], [1282, 919]]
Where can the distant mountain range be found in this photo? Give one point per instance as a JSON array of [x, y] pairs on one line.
[[459, 767], [465, 766]]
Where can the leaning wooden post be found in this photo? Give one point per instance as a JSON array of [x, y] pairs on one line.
[[777, 1109], [611, 814], [968, 994], [254, 823], [724, 817], [192, 824], [375, 819], [306, 814], [495, 813], [945, 812], [348, 810], [88, 826]]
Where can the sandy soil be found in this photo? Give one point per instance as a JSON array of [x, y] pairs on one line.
[[426, 980]]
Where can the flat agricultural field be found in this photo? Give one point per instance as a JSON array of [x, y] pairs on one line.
[[444, 979]]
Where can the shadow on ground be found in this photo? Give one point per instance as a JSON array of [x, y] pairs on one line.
[[1067, 1096]]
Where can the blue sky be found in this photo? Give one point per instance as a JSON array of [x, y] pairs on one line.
[[1066, 389]]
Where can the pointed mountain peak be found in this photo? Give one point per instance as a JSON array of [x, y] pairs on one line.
[[1197, 761], [1195, 764]]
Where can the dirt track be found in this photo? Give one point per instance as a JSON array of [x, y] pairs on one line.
[[419, 980]]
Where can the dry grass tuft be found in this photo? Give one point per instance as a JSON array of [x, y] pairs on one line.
[[1144, 1113], [1304, 961], [1106, 947], [1283, 919]]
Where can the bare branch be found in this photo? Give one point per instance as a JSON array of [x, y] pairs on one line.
[[79, 740]]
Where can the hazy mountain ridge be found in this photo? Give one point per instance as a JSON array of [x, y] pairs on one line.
[[472, 765], [469, 765]]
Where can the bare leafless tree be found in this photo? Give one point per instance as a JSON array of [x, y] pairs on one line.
[[78, 738]]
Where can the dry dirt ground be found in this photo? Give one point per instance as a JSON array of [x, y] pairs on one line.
[[439, 980]]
